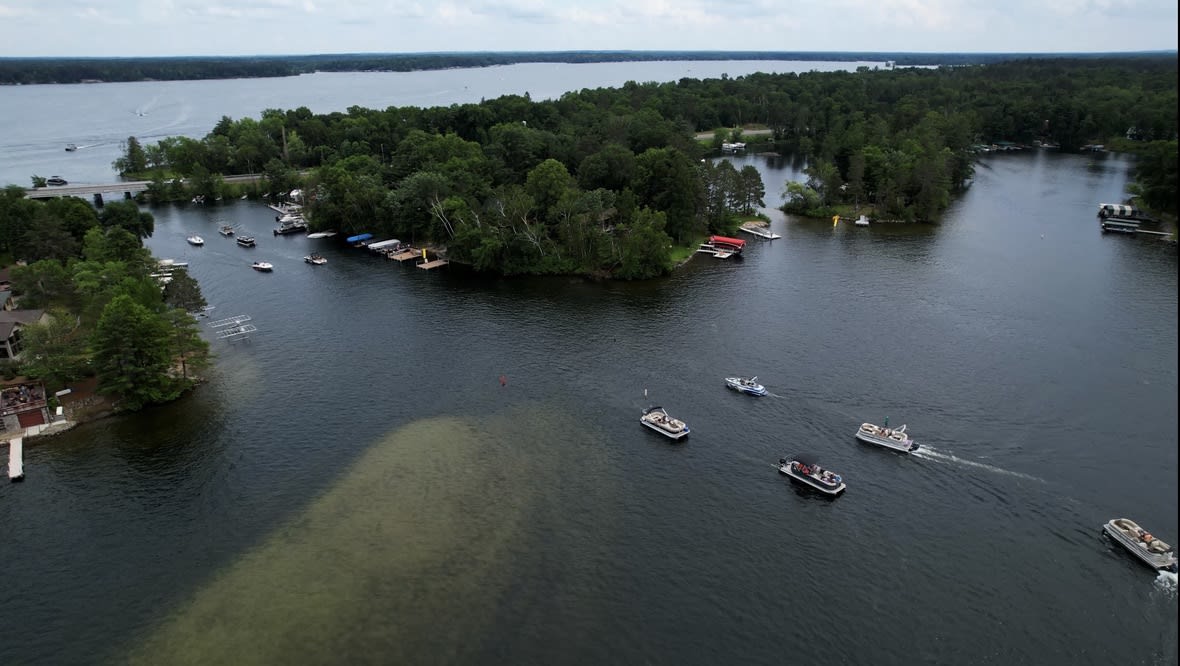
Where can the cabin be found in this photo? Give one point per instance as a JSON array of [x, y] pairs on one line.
[[11, 322]]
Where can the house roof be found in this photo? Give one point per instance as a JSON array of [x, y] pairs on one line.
[[20, 316], [10, 319]]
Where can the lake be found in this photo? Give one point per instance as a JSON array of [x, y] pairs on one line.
[[98, 118], [355, 485]]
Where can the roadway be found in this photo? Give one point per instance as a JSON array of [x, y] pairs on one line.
[[131, 186]]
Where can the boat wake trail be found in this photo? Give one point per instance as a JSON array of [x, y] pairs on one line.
[[1166, 580], [930, 454]]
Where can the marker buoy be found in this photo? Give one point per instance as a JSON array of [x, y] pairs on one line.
[[503, 380]]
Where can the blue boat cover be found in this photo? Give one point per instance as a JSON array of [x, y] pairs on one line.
[[362, 237]]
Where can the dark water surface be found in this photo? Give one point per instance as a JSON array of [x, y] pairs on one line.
[[353, 485]]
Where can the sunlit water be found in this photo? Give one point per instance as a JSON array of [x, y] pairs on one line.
[[354, 484]]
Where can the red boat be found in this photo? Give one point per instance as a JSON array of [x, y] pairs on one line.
[[727, 244]]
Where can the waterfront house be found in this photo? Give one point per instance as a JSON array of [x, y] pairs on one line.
[[11, 322]]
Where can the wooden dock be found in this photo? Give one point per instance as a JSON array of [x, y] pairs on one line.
[[437, 263], [16, 463], [405, 255]]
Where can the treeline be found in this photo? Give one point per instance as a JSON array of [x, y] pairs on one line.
[[24, 71], [603, 181], [107, 314]]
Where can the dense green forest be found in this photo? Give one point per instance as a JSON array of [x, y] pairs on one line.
[[108, 315], [26, 71], [613, 182]]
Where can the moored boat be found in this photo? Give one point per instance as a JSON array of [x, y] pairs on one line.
[[658, 419], [1150, 550], [56, 181], [245, 241], [262, 266], [315, 258], [890, 438], [291, 226], [195, 240], [805, 470], [748, 385]]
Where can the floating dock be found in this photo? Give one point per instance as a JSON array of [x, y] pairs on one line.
[[710, 250], [16, 463], [761, 232], [437, 263]]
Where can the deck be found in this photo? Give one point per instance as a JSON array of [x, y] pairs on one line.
[[405, 255], [437, 263]]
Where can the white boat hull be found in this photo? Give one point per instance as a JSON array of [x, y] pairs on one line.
[[812, 482], [658, 420], [753, 388], [905, 445], [1165, 560]]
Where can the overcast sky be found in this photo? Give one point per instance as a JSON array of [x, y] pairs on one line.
[[244, 27]]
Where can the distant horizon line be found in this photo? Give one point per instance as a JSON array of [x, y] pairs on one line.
[[762, 53]]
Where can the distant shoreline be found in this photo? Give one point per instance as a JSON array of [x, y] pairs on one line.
[[66, 70]]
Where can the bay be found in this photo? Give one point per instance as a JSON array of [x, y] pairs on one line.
[[355, 484]]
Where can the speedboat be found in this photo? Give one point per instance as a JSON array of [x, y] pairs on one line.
[[657, 419], [246, 241], [1154, 552], [71, 147], [263, 266], [806, 471], [195, 240], [315, 258], [225, 230], [746, 385], [890, 438], [56, 181]]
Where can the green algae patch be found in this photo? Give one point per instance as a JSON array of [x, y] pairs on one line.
[[406, 556]]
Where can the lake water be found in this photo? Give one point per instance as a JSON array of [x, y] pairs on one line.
[[98, 118], [355, 485]]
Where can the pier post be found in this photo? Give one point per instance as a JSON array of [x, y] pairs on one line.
[[98, 200]]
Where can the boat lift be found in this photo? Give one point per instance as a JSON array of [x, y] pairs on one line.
[[233, 328]]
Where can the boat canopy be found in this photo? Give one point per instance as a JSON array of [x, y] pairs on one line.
[[726, 240], [385, 243], [361, 237]]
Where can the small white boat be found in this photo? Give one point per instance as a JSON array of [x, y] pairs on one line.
[[225, 230], [71, 147], [890, 438], [748, 385], [862, 221], [195, 240], [321, 234], [1152, 551], [262, 266], [316, 259], [657, 419], [806, 471]]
